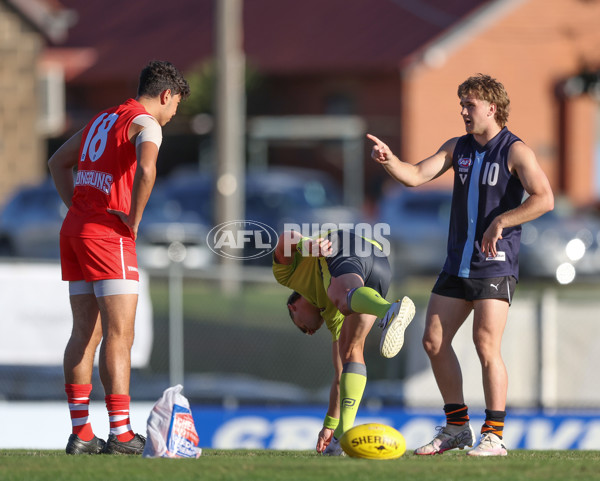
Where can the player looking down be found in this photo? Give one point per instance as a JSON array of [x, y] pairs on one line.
[[115, 156], [341, 279]]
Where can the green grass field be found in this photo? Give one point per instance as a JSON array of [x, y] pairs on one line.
[[251, 465]]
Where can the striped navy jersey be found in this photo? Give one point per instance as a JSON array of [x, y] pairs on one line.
[[483, 189]]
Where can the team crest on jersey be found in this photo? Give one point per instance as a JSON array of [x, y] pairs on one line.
[[464, 164]]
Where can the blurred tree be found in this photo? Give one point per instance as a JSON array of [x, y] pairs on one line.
[[202, 84]]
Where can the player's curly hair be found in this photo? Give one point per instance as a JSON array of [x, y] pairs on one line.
[[159, 76], [487, 88]]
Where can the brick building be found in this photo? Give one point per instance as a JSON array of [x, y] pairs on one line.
[[546, 54], [27, 27], [393, 63]]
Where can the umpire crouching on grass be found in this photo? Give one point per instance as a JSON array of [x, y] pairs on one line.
[[341, 279]]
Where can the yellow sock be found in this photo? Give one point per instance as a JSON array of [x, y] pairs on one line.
[[352, 387], [367, 301]]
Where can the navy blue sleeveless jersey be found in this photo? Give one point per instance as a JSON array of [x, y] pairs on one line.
[[483, 189]]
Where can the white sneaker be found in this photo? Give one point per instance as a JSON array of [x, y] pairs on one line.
[[448, 437], [334, 448], [394, 323], [490, 445]]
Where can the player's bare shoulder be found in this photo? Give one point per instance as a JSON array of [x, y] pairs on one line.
[[447, 150], [449, 146], [520, 155]]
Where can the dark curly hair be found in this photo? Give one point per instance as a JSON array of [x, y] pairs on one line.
[[159, 76]]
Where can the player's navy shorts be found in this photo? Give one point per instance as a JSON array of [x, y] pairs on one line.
[[356, 255], [473, 289]]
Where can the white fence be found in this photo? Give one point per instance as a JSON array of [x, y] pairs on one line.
[[36, 316]]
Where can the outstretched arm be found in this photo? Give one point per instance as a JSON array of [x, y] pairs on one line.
[[413, 175], [333, 411]]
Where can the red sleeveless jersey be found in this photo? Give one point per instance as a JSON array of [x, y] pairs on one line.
[[105, 172]]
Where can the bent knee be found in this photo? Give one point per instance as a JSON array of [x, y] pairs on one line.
[[341, 303], [342, 306], [432, 345], [487, 352], [120, 338], [486, 346]]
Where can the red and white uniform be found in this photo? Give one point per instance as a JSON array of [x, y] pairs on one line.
[[97, 245]]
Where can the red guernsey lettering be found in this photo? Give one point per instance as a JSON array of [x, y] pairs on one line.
[[91, 178]]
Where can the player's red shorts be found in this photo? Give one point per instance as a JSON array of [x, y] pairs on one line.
[[98, 259]]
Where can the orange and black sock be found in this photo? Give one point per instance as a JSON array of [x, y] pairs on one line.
[[456, 414], [494, 422], [78, 396]]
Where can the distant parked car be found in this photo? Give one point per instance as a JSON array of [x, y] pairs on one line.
[[181, 208], [418, 220], [30, 222], [275, 196], [561, 245], [166, 222]]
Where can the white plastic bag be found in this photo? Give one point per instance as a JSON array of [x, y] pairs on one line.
[[171, 432]]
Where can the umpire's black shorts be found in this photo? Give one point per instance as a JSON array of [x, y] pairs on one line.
[[357, 255]]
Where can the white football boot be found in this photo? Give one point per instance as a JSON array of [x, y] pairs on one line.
[[394, 323], [448, 437], [334, 448], [490, 445]]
